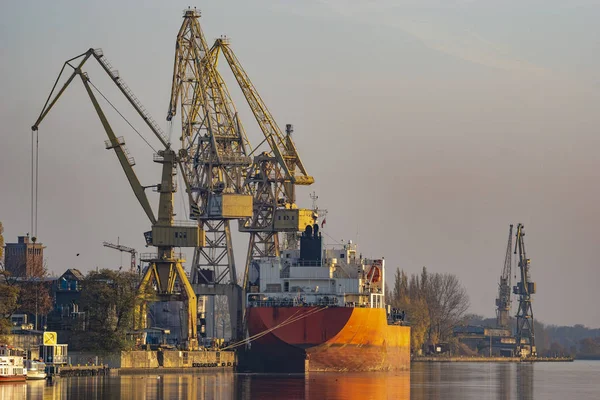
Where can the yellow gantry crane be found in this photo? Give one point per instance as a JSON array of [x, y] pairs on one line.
[[272, 177], [214, 149], [219, 166], [164, 279]]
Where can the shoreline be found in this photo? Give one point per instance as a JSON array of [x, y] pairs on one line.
[[490, 359]]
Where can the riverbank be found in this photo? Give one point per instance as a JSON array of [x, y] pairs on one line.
[[438, 359]]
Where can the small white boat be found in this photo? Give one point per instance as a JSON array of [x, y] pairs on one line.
[[35, 369], [11, 364]]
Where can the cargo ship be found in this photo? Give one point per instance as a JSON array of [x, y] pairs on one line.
[[317, 309]]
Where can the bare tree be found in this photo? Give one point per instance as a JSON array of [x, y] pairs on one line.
[[447, 302], [435, 303], [222, 322]]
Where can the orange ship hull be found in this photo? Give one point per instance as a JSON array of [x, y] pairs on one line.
[[296, 339]]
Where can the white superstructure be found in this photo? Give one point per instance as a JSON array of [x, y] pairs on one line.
[[11, 364], [337, 276]]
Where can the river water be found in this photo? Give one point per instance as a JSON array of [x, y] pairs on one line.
[[576, 380]]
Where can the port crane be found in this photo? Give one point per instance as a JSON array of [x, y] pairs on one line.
[[503, 301], [164, 279], [210, 127], [124, 249], [214, 148], [524, 289], [273, 176]]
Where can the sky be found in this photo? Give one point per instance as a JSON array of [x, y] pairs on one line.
[[429, 126]]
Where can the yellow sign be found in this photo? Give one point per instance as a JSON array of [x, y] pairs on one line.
[[49, 338]]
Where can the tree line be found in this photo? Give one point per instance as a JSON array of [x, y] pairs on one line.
[[434, 304], [107, 303], [576, 341]]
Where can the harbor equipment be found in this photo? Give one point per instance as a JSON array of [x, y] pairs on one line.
[[124, 249], [165, 269], [273, 176], [524, 289], [503, 302], [220, 168], [214, 151]]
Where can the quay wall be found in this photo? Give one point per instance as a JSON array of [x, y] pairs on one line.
[[178, 359], [156, 359], [490, 359]]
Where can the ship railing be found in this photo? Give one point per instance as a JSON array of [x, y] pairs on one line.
[[325, 301], [308, 263], [153, 256], [283, 303]]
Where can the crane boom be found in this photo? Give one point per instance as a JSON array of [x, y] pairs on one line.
[[118, 145], [282, 146], [165, 267], [114, 142], [503, 301], [124, 249]]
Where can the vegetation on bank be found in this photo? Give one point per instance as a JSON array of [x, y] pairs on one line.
[[108, 303], [575, 341], [434, 303], [8, 302]]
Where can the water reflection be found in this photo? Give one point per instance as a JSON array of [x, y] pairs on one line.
[[472, 381], [325, 386], [501, 381], [504, 381], [524, 381]]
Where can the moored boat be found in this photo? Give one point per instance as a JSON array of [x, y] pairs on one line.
[[11, 364], [35, 370]]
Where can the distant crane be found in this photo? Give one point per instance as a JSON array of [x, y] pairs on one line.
[[503, 302], [124, 249], [524, 289]]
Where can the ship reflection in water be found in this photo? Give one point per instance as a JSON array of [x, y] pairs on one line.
[[425, 381], [219, 386], [327, 386]]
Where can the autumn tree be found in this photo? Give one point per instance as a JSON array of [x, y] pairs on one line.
[[108, 300], [434, 304], [589, 348], [447, 302], [34, 298], [406, 296], [8, 302], [1, 246]]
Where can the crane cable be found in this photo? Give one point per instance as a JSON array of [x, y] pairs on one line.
[[288, 321], [122, 116], [35, 144]]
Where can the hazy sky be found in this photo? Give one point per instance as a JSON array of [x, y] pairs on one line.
[[429, 126]]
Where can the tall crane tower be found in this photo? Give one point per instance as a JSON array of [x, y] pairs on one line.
[[164, 279], [503, 301], [273, 176], [214, 148], [124, 249], [524, 289], [211, 127]]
